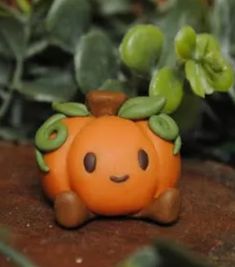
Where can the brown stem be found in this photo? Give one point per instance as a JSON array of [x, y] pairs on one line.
[[102, 103]]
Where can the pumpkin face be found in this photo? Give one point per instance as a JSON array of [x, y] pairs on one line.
[[112, 165]]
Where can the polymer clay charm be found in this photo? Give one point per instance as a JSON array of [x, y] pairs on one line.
[[113, 156]]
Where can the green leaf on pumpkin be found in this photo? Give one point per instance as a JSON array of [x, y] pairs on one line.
[[71, 109], [141, 107]]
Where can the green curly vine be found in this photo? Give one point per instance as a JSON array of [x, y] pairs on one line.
[[40, 161], [164, 126], [44, 139], [50, 136]]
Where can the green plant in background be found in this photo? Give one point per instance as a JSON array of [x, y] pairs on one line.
[[16, 257], [58, 50], [163, 254], [11, 254], [204, 65], [141, 47]]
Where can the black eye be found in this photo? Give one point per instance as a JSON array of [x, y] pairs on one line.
[[90, 162], [143, 159]]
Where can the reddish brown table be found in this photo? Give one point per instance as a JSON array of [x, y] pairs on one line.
[[207, 223]]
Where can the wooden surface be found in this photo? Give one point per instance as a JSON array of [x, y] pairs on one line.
[[207, 223]]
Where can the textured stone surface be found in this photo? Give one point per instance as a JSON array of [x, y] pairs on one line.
[[207, 223]]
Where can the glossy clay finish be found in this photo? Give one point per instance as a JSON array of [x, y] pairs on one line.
[[118, 185]]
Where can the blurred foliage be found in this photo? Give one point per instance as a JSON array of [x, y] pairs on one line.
[[12, 255], [164, 254], [57, 50]]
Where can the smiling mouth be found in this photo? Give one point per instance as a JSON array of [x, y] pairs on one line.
[[119, 179]]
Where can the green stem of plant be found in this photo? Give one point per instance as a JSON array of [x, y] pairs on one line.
[[15, 256], [15, 81], [5, 105], [17, 74]]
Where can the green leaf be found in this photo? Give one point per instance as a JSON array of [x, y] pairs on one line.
[[164, 126], [13, 38], [177, 145], [166, 83], [55, 85], [114, 7], [185, 42], [141, 47], [67, 20], [71, 109], [146, 257], [5, 71], [197, 78], [95, 61], [208, 71], [16, 257], [183, 12], [205, 43], [223, 80], [141, 107], [11, 134], [37, 19], [6, 95], [36, 47], [116, 85], [173, 254], [189, 112], [38, 34], [112, 85], [222, 25], [220, 73], [5, 50], [40, 161]]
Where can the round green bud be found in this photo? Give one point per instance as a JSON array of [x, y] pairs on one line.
[[166, 83], [185, 43], [141, 47]]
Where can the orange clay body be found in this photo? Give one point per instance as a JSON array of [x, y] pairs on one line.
[[57, 180], [115, 142]]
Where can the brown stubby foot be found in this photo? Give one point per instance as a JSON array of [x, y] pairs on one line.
[[70, 211], [165, 209]]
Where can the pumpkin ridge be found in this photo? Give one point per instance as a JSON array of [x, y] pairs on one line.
[[57, 179]]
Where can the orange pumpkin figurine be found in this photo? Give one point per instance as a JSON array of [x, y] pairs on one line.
[[117, 157]]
